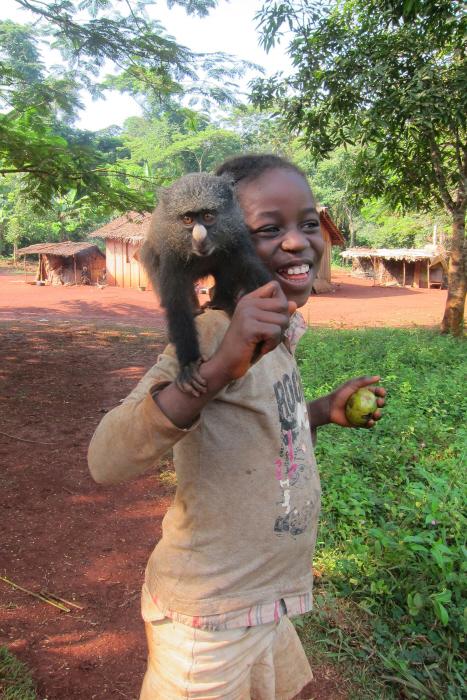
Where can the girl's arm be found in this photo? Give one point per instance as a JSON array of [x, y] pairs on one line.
[[331, 408]]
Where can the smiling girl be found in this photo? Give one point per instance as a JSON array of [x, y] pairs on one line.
[[234, 560]]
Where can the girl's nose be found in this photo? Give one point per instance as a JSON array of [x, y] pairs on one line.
[[294, 239]]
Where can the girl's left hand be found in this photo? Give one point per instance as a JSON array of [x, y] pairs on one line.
[[339, 397]]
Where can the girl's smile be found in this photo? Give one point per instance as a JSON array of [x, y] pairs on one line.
[[280, 211]]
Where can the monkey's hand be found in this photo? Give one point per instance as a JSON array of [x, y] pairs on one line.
[[189, 379]]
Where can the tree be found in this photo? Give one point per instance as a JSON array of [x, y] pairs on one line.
[[68, 217], [36, 139], [388, 75], [334, 186], [177, 141], [38, 104]]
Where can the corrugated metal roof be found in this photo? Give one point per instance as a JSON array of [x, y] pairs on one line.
[[409, 254], [64, 249], [131, 226]]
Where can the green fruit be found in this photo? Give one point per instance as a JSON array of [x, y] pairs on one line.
[[360, 407]]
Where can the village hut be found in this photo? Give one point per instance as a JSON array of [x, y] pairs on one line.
[[405, 267], [67, 262], [332, 236], [124, 237]]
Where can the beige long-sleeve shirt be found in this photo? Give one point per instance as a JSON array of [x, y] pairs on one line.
[[242, 528]]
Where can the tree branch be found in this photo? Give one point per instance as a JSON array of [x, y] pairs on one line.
[[74, 176], [34, 171], [461, 155]]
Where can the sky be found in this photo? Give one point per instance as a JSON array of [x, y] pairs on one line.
[[229, 28]]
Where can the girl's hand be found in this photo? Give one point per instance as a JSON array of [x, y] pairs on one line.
[[257, 327], [339, 397]]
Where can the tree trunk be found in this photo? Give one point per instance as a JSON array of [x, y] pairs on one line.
[[351, 230], [453, 318]]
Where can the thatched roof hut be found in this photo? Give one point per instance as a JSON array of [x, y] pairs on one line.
[[332, 236], [408, 267], [125, 235], [67, 262]]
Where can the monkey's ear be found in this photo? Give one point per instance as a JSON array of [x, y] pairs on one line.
[[228, 179], [161, 193]]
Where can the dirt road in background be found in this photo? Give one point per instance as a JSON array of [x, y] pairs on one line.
[[353, 303]]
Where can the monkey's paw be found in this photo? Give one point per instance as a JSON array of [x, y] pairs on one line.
[[190, 381]]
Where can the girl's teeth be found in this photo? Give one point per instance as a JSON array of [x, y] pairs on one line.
[[299, 270]]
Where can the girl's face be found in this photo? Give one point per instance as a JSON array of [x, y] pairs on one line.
[[281, 213]]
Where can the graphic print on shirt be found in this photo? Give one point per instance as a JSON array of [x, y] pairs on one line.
[[292, 467]]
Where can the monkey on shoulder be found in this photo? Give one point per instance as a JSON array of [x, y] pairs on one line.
[[197, 229]]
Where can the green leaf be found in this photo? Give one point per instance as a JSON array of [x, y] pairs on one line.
[[441, 612]]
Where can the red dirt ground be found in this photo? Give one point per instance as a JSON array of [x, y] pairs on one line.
[[353, 303], [67, 356]]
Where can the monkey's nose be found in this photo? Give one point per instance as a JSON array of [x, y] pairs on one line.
[[199, 233]]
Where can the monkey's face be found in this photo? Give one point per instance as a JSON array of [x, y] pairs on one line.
[[201, 225]]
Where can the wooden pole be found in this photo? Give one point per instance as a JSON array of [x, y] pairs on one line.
[[428, 273], [403, 273], [74, 266], [115, 263]]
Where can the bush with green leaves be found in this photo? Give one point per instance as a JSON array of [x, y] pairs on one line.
[[392, 535]]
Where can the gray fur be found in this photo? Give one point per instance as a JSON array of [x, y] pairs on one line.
[[173, 267]]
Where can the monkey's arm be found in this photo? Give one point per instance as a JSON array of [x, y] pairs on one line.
[[176, 291], [176, 288]]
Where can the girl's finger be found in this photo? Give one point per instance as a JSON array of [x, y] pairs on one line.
[[268, 290]]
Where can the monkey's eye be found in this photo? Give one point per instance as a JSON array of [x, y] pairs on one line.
[[208, 217], [187, 219]]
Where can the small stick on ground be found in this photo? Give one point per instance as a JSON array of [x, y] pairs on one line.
[[53, 596], [43, 598], [34, 442]]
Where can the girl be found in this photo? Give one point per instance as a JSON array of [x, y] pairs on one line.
[[234, 560]]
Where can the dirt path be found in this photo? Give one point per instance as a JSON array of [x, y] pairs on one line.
[[353, 303], [62, 365]]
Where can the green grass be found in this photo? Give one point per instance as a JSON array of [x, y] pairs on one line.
[[15, 680], [391, 547]]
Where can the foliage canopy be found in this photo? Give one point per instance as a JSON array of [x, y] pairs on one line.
[[38, 103], [389, 76]]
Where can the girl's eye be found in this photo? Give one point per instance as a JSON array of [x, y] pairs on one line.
[[187, 219], [267, 231], [208, 218], [311, 226]]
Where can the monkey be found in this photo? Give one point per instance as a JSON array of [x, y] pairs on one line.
[[197, 229]]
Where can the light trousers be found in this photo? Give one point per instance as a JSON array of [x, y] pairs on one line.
[[265, 662]]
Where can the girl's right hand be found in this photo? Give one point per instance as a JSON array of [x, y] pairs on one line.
[[257, 327]]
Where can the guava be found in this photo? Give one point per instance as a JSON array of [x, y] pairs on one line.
[[360, 407]]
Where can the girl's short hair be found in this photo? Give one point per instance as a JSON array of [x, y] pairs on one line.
[[251, 165]]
